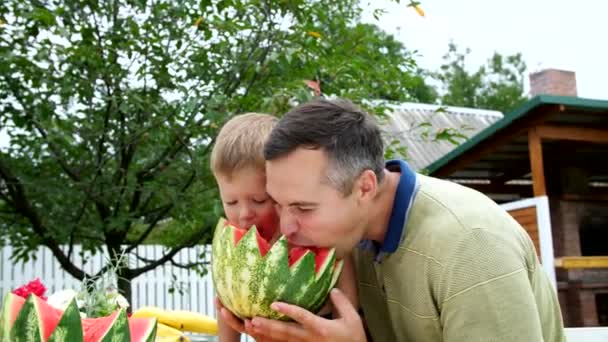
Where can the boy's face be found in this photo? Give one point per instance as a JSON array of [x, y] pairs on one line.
[[311, 211], [246, 202]]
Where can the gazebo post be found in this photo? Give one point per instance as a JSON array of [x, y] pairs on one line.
[[536, 163]]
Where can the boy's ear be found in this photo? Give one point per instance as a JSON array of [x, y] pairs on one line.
[[366, 185]]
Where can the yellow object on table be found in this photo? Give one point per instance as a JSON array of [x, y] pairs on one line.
[[180, 319], [165, 333]]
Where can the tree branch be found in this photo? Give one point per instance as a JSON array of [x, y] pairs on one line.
[[167, 257], [23, 207], [151, 227], [175, 263]]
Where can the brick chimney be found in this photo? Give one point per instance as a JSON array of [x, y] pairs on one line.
[[553, 82]]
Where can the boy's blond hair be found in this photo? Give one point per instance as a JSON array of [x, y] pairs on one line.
[[240, 143]]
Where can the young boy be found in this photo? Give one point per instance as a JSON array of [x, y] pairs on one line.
[[238, 165]]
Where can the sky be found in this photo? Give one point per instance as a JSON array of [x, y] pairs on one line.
[[562, 34]]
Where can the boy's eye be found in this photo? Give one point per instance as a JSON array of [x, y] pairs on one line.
[[302, 209], [230, 202]]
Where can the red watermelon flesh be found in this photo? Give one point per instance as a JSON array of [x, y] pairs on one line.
[[95, 328], [141, 329]]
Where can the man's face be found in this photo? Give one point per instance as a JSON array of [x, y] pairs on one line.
[[313, 213]]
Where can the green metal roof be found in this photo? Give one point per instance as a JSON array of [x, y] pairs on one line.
[[521, 111]]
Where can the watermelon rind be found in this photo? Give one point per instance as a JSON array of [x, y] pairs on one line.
[[118, 331], [247, 283], [27, 324], [10, 308], [69, 327]]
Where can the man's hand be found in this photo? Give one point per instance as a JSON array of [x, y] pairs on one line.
[[310, 327]]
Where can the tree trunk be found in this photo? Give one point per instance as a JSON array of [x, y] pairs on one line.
[[124, 288]]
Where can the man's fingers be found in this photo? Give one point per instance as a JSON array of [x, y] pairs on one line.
[[298, 314], [342, 306], [277, 330]]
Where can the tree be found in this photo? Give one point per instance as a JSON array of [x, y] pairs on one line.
[[498, 85], [112, 107]]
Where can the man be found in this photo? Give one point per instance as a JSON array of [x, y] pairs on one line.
[[435, 261]]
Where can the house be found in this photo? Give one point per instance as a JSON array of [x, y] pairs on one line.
[[553, 147]]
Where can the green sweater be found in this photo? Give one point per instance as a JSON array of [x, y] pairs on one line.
[[464, 271]]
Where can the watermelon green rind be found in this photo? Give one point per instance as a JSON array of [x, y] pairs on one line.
[[303, 275], [271, 286], [27, 325], [337, 271], [247, 283], [246, 267], [119, 329], [69, 327], [319, 290], [10, 309], [220, 257]]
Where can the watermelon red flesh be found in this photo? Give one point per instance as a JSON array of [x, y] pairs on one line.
[[95, 328], [142, 329]]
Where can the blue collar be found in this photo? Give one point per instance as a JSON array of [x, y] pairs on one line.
[[404, 197]]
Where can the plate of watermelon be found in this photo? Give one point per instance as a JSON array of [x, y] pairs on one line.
[[28, 316]]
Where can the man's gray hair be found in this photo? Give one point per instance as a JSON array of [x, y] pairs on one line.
[[350, 137]]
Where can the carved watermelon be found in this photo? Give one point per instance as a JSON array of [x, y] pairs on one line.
[[249, 274], [35, 320]]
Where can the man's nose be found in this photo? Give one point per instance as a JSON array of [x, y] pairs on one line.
[[289, 224]]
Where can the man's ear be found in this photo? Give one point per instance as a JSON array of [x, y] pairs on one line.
[[367, 185]]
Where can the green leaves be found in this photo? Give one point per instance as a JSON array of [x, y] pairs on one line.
[[497, 85], [112, 107]]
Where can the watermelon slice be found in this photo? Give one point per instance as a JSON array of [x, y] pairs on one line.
[[109, 328], [10, 309], [36, 320], [69, 327], [143, 329]]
